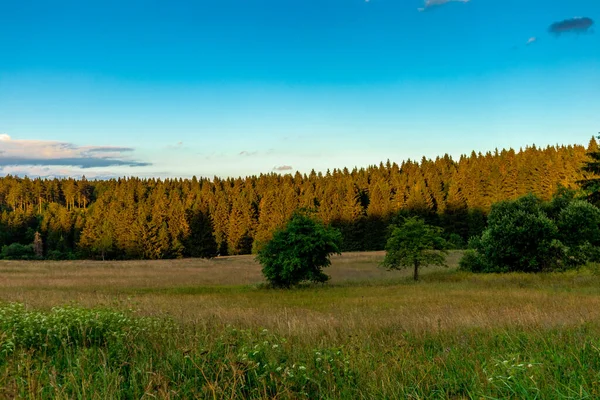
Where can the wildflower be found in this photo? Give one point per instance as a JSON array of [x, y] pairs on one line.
[[275, 346], [302, 368]]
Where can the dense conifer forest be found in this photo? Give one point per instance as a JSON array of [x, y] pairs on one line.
[[133, 218]]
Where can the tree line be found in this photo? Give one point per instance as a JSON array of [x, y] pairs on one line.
[[133, 218]]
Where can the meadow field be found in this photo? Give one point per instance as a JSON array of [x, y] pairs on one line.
[[196, 328]]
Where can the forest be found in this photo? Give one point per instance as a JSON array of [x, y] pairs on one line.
[[133, 218]]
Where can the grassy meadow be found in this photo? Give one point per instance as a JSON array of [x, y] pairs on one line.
[[210, 329]]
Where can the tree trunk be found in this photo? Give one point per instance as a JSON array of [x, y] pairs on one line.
[[416, 271]]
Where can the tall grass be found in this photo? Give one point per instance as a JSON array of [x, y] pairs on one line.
[[453, 335], [70, 352]]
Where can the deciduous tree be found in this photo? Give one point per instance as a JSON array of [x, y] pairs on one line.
[[415, 244]]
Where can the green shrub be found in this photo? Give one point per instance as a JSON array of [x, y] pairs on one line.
[[455, 241], [298, 252], [578, 223], [60, 255], [17, 251], [472, 261], [519, 237]]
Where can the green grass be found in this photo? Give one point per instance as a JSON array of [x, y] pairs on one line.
[[365, 335]]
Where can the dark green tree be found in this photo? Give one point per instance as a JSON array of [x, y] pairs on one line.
[[591, 183], [415, 244], [519, 237], [201, 240], [299, 251], [579, 222]]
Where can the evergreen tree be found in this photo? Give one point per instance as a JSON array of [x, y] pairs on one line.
[[591, 183]]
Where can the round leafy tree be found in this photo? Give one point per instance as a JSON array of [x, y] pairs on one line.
[[519, 237], [298, 252], [415, 244], [578, 223]]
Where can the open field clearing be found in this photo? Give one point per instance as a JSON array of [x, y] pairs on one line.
[[369, 333]]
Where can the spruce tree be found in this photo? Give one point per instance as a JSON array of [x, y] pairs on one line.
[[591, 183]]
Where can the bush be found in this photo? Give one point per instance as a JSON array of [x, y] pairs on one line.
[[578, 223], [519, 237], [472, 261], [298, 252], [17, 251], [455, 241], [58, 255]]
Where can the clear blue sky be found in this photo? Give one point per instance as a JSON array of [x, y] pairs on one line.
[[238, 87]]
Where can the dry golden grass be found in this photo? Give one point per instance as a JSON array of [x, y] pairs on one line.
[[361, 295]]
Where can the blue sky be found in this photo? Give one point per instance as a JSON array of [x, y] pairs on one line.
[[239, 87]]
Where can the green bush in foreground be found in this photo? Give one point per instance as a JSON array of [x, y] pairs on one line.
[[298, 252]]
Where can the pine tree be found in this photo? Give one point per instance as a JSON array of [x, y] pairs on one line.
[[591, 182]]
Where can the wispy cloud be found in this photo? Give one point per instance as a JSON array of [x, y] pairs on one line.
[[531, 41], [52, 153], [248, 153], [283, 168], [429, 4]]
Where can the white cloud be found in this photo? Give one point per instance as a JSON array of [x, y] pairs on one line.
[[53, 153]]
